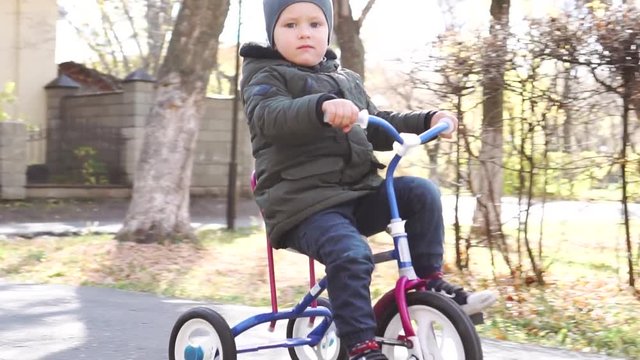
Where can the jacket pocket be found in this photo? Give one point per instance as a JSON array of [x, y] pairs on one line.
[[332, 165]]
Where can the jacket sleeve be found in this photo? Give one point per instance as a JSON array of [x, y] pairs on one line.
[[276, 116]]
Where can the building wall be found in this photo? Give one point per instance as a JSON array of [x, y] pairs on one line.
[[13, 159], [27, 58]]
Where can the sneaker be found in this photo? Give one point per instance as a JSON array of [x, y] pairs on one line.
[[470, 302]]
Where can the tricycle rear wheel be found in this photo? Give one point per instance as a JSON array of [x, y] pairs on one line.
[[201, 333], [329, 348]]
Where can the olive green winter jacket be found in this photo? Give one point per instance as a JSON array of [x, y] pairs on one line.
[[303, 165]]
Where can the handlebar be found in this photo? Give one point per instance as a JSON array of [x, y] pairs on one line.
[[405, 141]]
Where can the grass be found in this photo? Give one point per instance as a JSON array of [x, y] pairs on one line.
[[584, 306]]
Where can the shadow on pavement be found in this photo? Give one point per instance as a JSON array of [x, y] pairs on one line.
[[59, 322]]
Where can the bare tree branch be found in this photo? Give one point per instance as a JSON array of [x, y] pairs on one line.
[[134, 32], [365, 12]]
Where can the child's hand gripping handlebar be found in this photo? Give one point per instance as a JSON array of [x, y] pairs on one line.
[[406, 141]]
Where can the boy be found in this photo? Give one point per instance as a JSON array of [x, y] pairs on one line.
[[317, 181]]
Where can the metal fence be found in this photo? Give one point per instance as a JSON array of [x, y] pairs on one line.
[[79, 155]]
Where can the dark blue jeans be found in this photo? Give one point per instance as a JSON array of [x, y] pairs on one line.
[[334, 237]]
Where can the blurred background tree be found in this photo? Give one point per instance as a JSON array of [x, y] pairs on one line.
[[6, 98], [128, 34], [159, 209]]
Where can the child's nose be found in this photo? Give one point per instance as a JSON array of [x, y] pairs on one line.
[[305, 31]]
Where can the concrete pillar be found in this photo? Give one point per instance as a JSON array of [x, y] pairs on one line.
[[57, 90], [13, 160], [138, 96]]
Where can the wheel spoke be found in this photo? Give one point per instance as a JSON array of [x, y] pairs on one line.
[[429, 342], [448, 342], [328, 348], [212, 347], [320, 354]]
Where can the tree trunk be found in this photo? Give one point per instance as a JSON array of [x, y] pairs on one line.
[[159, 209], [487, 174], [625, 195], [635, 100], [347, 31], [567, 127], [630, 80]]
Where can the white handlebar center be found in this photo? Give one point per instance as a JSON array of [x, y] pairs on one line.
[[410, 141]]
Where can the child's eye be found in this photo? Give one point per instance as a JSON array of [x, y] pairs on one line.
[[315, 24], [290, 25]]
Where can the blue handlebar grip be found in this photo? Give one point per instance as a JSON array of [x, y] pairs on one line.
[[387, 127], [437, 129], [443, 126]]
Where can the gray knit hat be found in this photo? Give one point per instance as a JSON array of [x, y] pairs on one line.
[[273, 9]]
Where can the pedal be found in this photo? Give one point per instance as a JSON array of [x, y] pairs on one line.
[[477, 318]]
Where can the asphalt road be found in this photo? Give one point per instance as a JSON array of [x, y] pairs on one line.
[[58, 322]]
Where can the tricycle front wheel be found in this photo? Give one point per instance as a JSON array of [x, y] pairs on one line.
[[442, 328]]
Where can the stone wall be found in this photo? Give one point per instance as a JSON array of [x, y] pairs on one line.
[[13, 160], [121, 115], [126, 112], [213, 149]]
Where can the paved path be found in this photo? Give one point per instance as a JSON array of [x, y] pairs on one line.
[[58, 322], [106, 217]]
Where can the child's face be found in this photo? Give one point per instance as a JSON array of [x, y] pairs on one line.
[[301, 34]]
